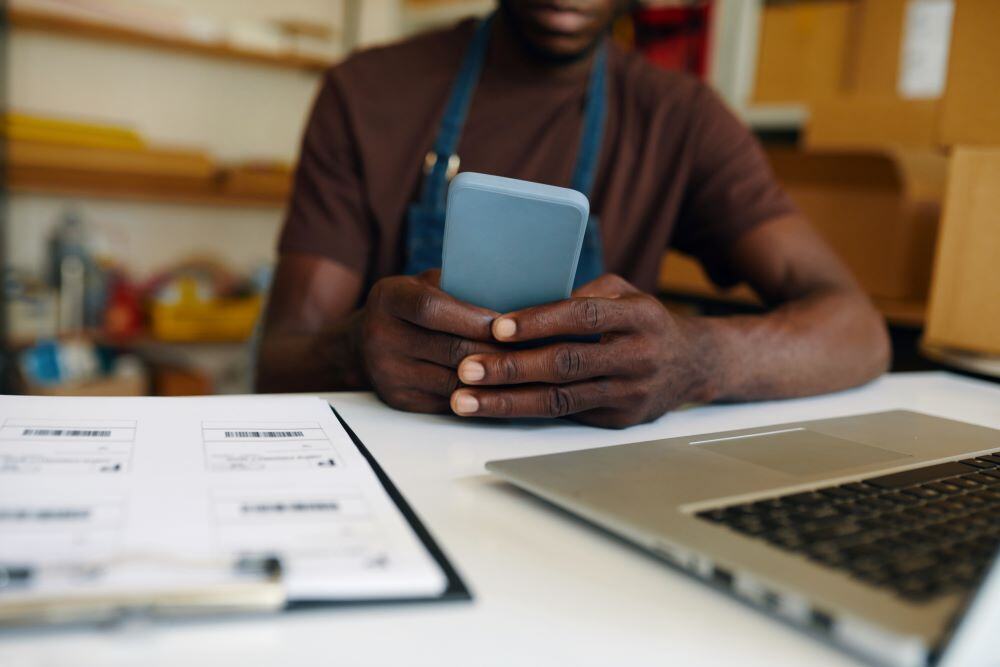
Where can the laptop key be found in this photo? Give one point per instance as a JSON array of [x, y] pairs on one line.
[[978, 463], [921, 492], [831, 532], [808, 498], [984, 478], [944, 487], [838, 493], [916, 476], [965, 482]]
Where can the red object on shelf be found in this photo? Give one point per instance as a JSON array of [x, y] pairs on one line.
[[675, 37], [123, 316]]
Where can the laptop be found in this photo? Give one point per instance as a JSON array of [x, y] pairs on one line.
[[877, 532]]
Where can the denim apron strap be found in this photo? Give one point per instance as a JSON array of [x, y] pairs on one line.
[[591, 264], [425, 218]]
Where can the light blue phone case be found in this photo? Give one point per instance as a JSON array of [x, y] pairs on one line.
[[511, 244]]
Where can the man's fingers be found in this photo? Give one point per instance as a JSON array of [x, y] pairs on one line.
[[412, 342], [553, 364], [413, 400], [556, 400], [418, 302], [609, 285], [574, 316], [442, 349], [426, 377]]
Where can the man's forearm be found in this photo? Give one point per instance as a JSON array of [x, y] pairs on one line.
[[829, 340], [328, 360]]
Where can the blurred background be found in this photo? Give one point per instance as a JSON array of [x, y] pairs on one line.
[[149, 147]]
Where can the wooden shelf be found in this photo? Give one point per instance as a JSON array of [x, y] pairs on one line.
[[149, 175], [109, 188], [34, 19], [140, 342], [683, 277]]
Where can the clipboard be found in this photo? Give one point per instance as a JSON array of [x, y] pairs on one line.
[[455, 590], [257, 588]]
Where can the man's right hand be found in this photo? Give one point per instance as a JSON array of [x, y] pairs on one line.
[[414, 335]]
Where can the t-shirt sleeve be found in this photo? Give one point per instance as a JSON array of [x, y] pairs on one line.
[[327, 211], [731, 187]]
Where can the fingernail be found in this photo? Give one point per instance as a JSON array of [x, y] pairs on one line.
[[504, 327], [471, 371], [466, 404]]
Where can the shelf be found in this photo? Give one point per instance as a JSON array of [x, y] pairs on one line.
[[74, 26], [776, 116], [105, 186], [143, 341], [683, 277], [148, 175]]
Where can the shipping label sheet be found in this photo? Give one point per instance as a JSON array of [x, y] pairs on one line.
[[190, 480]]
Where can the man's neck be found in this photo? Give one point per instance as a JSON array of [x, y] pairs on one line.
[[510, 52]]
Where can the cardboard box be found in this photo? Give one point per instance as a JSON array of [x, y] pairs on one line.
[[803, 49], [873, 65], [878, 210], [970, 112], [864, 123], [964, 308], [884, 103]]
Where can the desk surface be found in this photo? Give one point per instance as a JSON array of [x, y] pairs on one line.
[[548, 589]]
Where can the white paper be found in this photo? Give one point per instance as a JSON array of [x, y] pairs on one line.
[[923, 63], [157, 489]]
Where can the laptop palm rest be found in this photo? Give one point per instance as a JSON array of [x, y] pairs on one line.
[[798, 451]]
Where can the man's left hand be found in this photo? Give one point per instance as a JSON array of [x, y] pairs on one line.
[[647, 361]]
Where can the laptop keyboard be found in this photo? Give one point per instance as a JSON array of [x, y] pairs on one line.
[[920, 533]]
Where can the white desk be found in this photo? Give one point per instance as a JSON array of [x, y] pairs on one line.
[[548, 589]]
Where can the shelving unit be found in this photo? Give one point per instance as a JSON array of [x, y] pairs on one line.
[[31, 19], [130, 37]]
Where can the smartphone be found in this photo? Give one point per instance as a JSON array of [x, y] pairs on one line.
[[511, 244]]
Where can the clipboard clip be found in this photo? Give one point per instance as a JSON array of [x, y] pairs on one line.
[[249, 583]]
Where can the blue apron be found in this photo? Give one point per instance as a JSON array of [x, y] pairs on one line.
[[425, 218]]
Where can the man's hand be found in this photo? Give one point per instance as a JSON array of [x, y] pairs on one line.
[[645, 363], [413, 336]]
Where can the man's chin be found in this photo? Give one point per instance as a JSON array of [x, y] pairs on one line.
[[549, 46], [556, 49]]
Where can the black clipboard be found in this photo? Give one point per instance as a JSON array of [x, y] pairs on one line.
[[264, 594], [455, 590]]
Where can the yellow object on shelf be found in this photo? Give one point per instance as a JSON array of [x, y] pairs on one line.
[[25, 127], [193, 319]]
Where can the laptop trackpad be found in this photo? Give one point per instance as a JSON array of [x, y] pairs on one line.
[[799, 451]]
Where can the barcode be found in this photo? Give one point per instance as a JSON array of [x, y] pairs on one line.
[[263, 508], [264, 434], [58, 514], [69, 433]]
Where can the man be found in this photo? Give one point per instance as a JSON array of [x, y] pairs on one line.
[[671, 167]]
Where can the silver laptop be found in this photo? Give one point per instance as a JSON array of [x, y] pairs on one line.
[[878, 532]]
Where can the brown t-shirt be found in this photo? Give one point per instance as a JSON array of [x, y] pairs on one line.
[[676, 168]]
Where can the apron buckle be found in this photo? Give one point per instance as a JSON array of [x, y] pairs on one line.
[[430, 160]]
